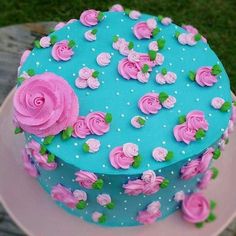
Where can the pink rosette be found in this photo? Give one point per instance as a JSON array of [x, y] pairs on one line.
[[103, 59], [159, 59], [90, 36], [204, 77], [89, 17], [133, 56], [153, 187], [86, 179], [151, 23], [149, 176], [128, 70], [59, 26], [130, 149], [170, 77], [116, 8], [142, 31], [196, 120], [93, 83], [146, 218], [24, 56], [136, 123], [205, 180], [41, 96], [153, 46], [184, 134], [124, 49], [149, 103], [80, 195], [80, 129], [190, 170], [153, 207], [143, 77], [206, 160], [182, 38], [134, 187], [169, 102], [96, 123], [85, 73], [195, 208], [81, 83], [103, 199], [61, 51], [45, 42], [166, 21], [145, 59], [134, 15], [119, 160], [190, 29], [96, 216], [159, 153], [190, 39], [29, 166], [160, 78], [217, 102], [93, 144], [116, 45]]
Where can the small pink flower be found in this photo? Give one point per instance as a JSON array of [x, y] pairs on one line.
[[93, 144], [190, 170], [204, 77], [133, 57], [86, 179], [104, 59], [71, 21], [80, 129], [206, 160], [146, 218], [166, 21], [85, 73], [116, 45], [169, 102], [182, 38], [61, 51], [103, 199], [134, 187], [59, 26], [205, 180], [143, 77], [81, 83], [179, 196], [160, 78], [149, 176], [190, 39], [196, 120], [90, 36], [159, 154], [138, 121], [130, 149], [142, 31], [153, 46], [29, 166], [153, 187], [128, 70], [24, 56], [124, 49], [89, 17], [170, 77], [93, 83], [80, 195], [184, 134], [134, 14], [159, 59], [96, 216], [153, 207], [217, 102], [190, 29], [116, 8], [151, 23], [45, 42]]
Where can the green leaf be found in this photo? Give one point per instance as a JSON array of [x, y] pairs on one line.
[[145, 68], [94, 31], [169, 156], [31, 72], [160, 17], [216, 70], [20, 80], [227, 141], [102, 219], [197, 37], [163, 96], [98, 184], [127, 11], [177, 34], [95, 74], [199, 225], [165, 183], [234, 103], [51, 158], [141, 121], [71, 43], [164, 71], [211, 217], [37, 44], [152, 55], [53, 39], [155, 32], [43, 149], [81, 205], [100, 16], [110, 205], [200, 134], [66, 134], [137, 161], [48, 140], [192, 75], [182, 119], [115, 38], [216, 154], [212, 205], [225, 107], [215, 172], [131, 45], [161, 43], [85, 147], [18, 130], [108, 118]]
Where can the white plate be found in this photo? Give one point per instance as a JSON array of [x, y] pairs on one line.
[[34, 211]]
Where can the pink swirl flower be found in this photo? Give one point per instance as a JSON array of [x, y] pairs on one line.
[[134, 187], [29, 166], [138, 121], [153, 187], [24, 56], [149, 103], [205, 180], [80, 129], [217, 102], [96, 216], [170, 77], [159, 153], [61, 51], [206, 160], [151, 23], [104, 59], [134, 14], [45, 42], [149, 176], [59, 26], [94, 145], [116, 8], [153, 46], [41, 96], [146, 218], [196, 120], [128, 70], [160, 78], [145, 59], [190, 170], [204, 77], [182, 38], [143, 77], [142, 31], [90, 36], [124, 49], [89, 17], [93, 83], [190, 29], [166, 21], [153, 207], [190, 39], [81, 83], [85, 73], [96, 123], [80, 195], [179, 196], [184, 134], [195, 208], [103, 199], [159, 59], [169, 102], [86, 179], [130, 149], [116, 45], [119, 160]]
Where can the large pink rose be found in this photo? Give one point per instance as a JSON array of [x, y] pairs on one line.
[[61, 51], [206, 160], [195, 208], [89, 17], [149, 103], [86, 179], [81, 130], [190, 170], [142, 31], [134, 187], [153, 187], [196, 120], [127, 69], [184, 134], [41, 96], [96, 123], [29, 166], [204, 77], [119, 160], [145, 217]]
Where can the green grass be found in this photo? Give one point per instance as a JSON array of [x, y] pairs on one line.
[[214, 18]]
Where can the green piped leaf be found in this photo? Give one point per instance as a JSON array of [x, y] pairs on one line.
[[163, 96], [169, 156], [155, 32], [215, 172], [216, 70], [212, 205], [53, 39], [225, 107], [137, 161], [71, 43], [51, 158], [85, 147], [211, 217], [108, 118], [31, 72], [66, 134], [216, 154], [200, 134], [95, 74], [165, 183], [102, 219], [43, 149], [100, 16], [127, 11], [197, 37], [177, 34], [48, 140], [161, 43], [37, 44], [192, 75], [110, 205], [152, 55], [145, 68], [141, 121], [160, 17], [131, 45], [115, 38], [18, 130], [199, 225], [227, 141], [81, 205], [182, 119], [20, 80], [164, 71], [94, 31], [234, 103], [98, 184]]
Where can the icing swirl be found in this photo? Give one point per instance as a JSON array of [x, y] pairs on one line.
[[134, 14], [89, 17], [80, 128], [90, 36], [128, 70], [103, 199], [61, 51], [103, 59], [134, 187], [196, 120], [149, 103], [190, 170], [159, 153], [93, 144], [184, 133], [217, 102], [86, 179], [204, 77], [45, 42]]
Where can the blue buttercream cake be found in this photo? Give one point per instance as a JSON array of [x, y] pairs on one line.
[[123, 113]]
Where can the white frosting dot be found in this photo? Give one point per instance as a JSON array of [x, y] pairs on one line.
[[138, 139], [140, 204], [62, 164], [58, 146], [77, 156], [163, 142], [220, 87], [104, 166], [205, 49], [117, 93], [181, 58], [37, 63], [49, 59], [59, 67], [169, 48], [222, 130], [114, 216], [107, 26], [117, 79], [194, 59], [174, 186], [122, 20], [109, 183], [187, 85], [125, 208], [75, 144], [33, 54], [197, 99], [68, 36], [131, 90], [182, 70], [49, 177], [128, 103], [122, 115], [172, 172], [159, 198], [148, 165], [159, 171], [108, 145], [176, 92], [138, 46], [183, 152], [87, 93], [118, 129]]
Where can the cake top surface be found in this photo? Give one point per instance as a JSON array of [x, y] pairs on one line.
[[120, 97]]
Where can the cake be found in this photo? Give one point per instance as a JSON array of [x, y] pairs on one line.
[[124, 115]]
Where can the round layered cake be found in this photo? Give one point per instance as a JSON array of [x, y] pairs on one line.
[[123, 113]]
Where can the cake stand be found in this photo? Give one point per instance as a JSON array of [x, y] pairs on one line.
[[35, 212]]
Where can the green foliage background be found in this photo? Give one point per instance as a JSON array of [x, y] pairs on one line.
[[216, 19]]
